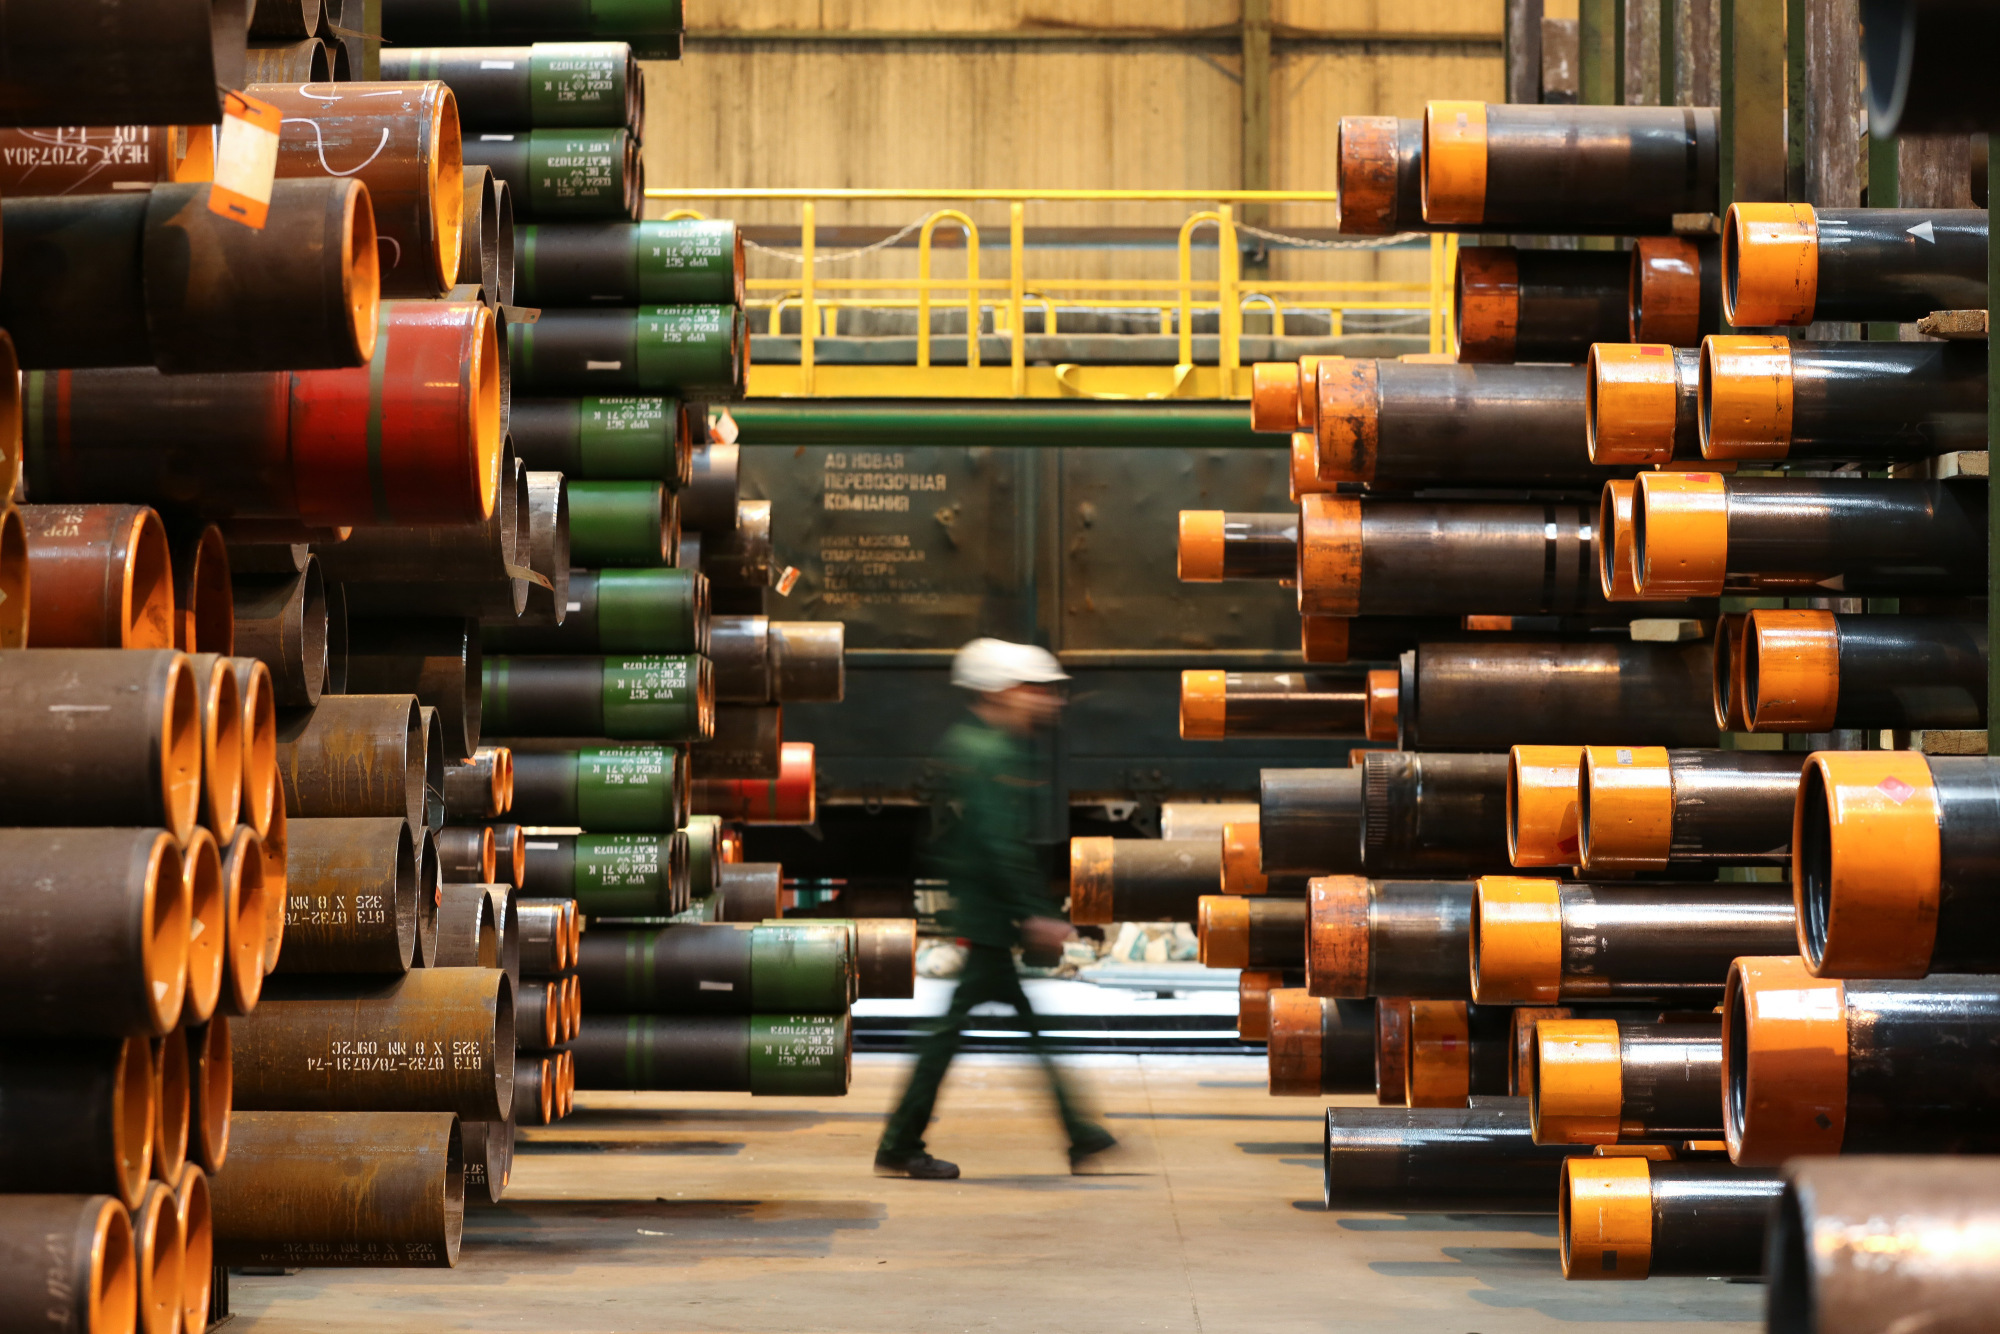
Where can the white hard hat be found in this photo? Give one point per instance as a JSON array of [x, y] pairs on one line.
[[994, 664]]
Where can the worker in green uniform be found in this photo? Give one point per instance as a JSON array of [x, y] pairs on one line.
[[998, 900]]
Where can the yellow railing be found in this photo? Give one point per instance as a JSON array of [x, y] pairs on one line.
[[820, 300]]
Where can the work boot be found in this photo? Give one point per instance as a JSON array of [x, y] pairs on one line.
[[916, 1166]]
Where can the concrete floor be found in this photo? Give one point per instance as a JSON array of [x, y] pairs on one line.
[[677, 1213]]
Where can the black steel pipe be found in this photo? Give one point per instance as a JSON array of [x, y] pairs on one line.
[[1571, 169], [1388, 938], [1694, 532], [1771, 398], [1235, 931], [1537, 942], [1925, 72], [606, 789], [560, 174], [139, 62], [436, 659], [618, 611], [77, 1115], [1141, 879], [783, 1055], [1603, 1080], [1489, 697], [635, 439], [1793, 264], [1215, 546], [656, 697], [611, 875], [67, 1263], [1453, 1051], [1215, 705], [1633, 1218], [1432, 814], [719, 968], [709, 501], [1396, 424], [1538, 305], [1640, 808], [1479, 1160], [357, 755], [685, 262], [1309, 820], [1813, 671], [545, 85]]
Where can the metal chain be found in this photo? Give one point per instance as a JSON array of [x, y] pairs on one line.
[[834, 256], [1305, 243]]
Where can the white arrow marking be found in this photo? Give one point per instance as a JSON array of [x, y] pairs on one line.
[[1925, 232]]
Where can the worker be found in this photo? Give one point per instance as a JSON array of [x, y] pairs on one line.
[[997, 895]]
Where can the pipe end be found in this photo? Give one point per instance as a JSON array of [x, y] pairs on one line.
[[1337, 936], [1222, 928], [1631, 392], [1201, 541], [1090, 881], [1204, 705], [1516, 940], [1542, 786], [1770, 264]]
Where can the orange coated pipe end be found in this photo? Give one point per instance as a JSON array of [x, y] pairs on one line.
[[1576, 1085], [1253, 1002], [1867, 863], [1090, 881], [1542, 805], [1726, 675], [1630, 393], [1366, 160], [1309, 389], [1200, 552], [1516, 940], [1204, 703], [1789, 670], [1293, 1056], [1274, 396], [1680, 535], [1346, 421], [208, 926], [1381, 711], [1488, 308], [134, 1097], [1243, 859], [1626, 816], [1454, 187], [1784, 1061], [1337, 937], [1770, 264], [113, 1300], [1222, 930], [1329, 555], [1439, 1068], [361, 273], [1664, 294], [1746, 397], [1305, 479], [1604, 1216], [1617, 576], [1323, 638]]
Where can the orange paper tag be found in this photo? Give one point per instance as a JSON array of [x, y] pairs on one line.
[[246, 160]]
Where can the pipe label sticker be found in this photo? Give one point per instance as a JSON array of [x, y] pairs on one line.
[[1895, 789], [246, 160]]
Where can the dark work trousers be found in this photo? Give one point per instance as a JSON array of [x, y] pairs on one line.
[[989, 976]]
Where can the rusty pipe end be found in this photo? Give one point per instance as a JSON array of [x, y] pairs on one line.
[[1630, 393], [205, 619], [1337, 937], [1576, 1083], [1329, 565], [1542, 786], [1516, 940], [1222, 930], [1680, 535], [201, 868], [1770, 264], [1204, 705], [1366, 157], [1243, 859], [1090, 881], [1346, 419], [1790, 669], [1625, 808], [1617, 577], [1454, 185], [1867, 864], [1200, 559], [1381, 711], [146, 594], [1604, 1217], [446, 185], [13, 577], [1323, 638], [1293, 1054], [1274, 396], [1663, 295], [1487, 310], [1253, 1002], [1745, 402], [489, 857], [1784, 1061], [483, 389]]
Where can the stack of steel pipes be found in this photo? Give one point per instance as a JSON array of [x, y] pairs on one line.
[[1633, 881]]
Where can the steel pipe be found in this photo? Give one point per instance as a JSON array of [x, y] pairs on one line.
[[1632, 1218], [465, 855], [67, 1264], [1254, 987], [537, 1027], [1572, 169], [357, 755], [1215, 705], [611, 789], [650, 698], [161, 1253], [1141, 879], [1813, 1065], [1763, 397], [1538, 305], [711, 845], [480, 786], [142, 62], [105, 575], [683, 262], [623, 524], [566, 174], [306, 61], [1309, 820], [545, 936], [632, 439], [1542, 802], [1892, 864], [1603, 1081], [749, 892], [1243, 862], [479, 235], [762, 661], [619, 611], [77, 1116], [1404, 424], [1538, 942], [1694, 532], [1455, 1051], [254, 895], [687, 351], [433, 1039], [611, 875], [710, 502], [282, 621], [92, 159], [885, 958], [468, 932], [781, 1055], [1237, 932], [1439, 1160], [172, 1104], [222, 741], [342, 1190], [1387, 938], [204, 611], [720, 968], [1793, 264], [1380, 172], [789, 799], [489, 1158], [546, 84], [1642, 808], [1674, 291], [1319, 1047], [1642, 404], [1811, 671], [1428, 814], [210, 1081], [208, 905], [741, 557], [351, 898], [435, 659], [1487, 698]]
